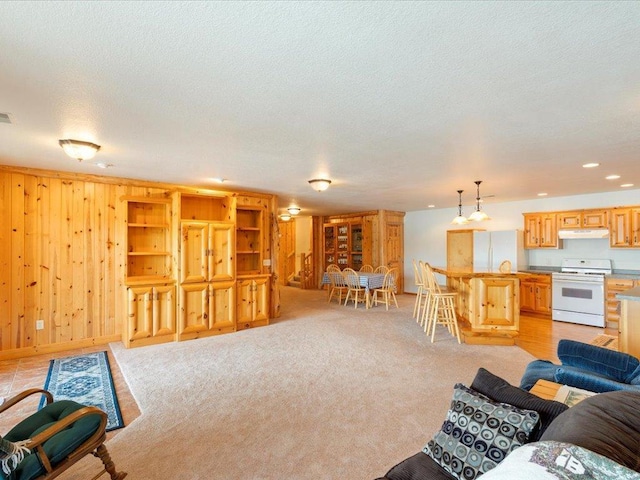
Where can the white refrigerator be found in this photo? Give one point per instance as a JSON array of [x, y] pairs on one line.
[[490, 249]]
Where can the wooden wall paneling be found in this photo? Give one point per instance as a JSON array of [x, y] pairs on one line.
[[44, 280], [77, 269], [53, 316], [5, 261], [31, 259], [17, 260]]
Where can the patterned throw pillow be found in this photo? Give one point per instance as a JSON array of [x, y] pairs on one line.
[[478, 433]]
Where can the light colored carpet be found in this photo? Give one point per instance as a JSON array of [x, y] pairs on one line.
[[325, 392]]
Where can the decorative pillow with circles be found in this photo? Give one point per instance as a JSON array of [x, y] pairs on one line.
[[478, 433]]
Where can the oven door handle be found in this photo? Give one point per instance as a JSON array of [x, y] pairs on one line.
[[582, 282]]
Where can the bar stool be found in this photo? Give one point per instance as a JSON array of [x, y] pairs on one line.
[[418, 281], [442, 308]]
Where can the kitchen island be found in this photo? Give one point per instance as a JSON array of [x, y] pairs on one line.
[[629, 326], [488, 305]]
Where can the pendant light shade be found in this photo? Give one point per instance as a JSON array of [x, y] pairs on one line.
[[460, 220], [478, 215]]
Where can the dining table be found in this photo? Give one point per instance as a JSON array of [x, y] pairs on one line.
[[369, 280]]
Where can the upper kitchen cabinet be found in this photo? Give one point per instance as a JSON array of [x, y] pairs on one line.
[[625, 227], [541, 230], [598, 218]]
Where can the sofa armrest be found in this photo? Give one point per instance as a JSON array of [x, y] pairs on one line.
[[618, 366], [593, 382]]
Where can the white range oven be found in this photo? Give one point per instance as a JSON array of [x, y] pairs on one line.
[[577, 291]]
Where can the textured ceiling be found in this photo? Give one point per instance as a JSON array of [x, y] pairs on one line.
[[399, 103]]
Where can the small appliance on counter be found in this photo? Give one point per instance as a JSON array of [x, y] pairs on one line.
[[577, 291]]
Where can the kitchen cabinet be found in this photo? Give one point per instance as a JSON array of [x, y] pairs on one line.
[[150, 315], [206, 309], [596, 218], [625, 227], [252, 302], [612, 287], [541, 230], [460, 250], [629, 329], [535, 294]]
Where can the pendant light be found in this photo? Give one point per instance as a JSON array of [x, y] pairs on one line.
[[478, 215], [460, 220]]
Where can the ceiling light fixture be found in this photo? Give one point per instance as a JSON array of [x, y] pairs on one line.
[[293, 210], [79, 149], [590, 165], [612, 177], [285, 217], [542, 194], [626, 185], [460, 219], [319, 184], [478, 215]]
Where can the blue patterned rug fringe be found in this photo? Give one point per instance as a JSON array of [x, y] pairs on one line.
[[85, 379]]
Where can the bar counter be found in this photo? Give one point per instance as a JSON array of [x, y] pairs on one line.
[[488, 304]]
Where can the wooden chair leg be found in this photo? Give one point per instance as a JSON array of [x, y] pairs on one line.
[[103, 454]]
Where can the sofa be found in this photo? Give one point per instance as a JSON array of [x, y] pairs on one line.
[[600, 432], [587, 367]]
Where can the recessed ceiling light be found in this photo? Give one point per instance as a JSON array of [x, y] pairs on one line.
[[431, 206], [612, 177], [590, 165], [626, 185], [542, 194], [218, 180], [104, 165]]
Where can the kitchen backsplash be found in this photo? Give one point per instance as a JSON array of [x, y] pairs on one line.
[[621, 258]]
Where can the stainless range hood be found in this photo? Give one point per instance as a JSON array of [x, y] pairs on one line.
[[584, 233]]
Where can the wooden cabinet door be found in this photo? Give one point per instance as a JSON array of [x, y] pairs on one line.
[[194, 252], [497, 304], [151, 315], [244, 301], [531, 230], [595, 219], [614, 286], [261, 299], [221, 245], [222, 314], [527, 296], [194, 310], [635, 227], [543, 298], [164, 310], [140, 314], [548, 230], [460, 250], [570, 220], [620, 232]]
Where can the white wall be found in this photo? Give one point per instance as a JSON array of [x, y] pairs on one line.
[[425, 231], [303, 238]]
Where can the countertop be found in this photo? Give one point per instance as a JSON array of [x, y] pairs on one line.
[[632, 294]]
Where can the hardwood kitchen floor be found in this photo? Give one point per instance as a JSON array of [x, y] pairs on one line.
[[539, 336]]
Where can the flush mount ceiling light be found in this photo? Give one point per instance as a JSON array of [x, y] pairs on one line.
[[319, 184], [590, 165], [79, 149], [478, 215], [293, 210], [285, 217], [460, 219]]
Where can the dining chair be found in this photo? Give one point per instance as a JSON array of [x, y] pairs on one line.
[[388, 289], [442, 310], [417, 278], [366, 268], [336, 283], [381, 269], [355, 290]]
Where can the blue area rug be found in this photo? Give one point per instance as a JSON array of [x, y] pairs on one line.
[[85, 379]]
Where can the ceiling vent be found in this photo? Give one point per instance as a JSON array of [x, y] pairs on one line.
[[5, 118]]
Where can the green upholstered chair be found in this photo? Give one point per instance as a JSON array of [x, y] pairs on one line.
[[57, 436]]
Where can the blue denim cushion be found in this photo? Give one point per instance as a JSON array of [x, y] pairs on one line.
[[616, 365], [593, 382], [536, 370]]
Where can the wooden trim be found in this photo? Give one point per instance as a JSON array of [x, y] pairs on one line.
[[58, 347]]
